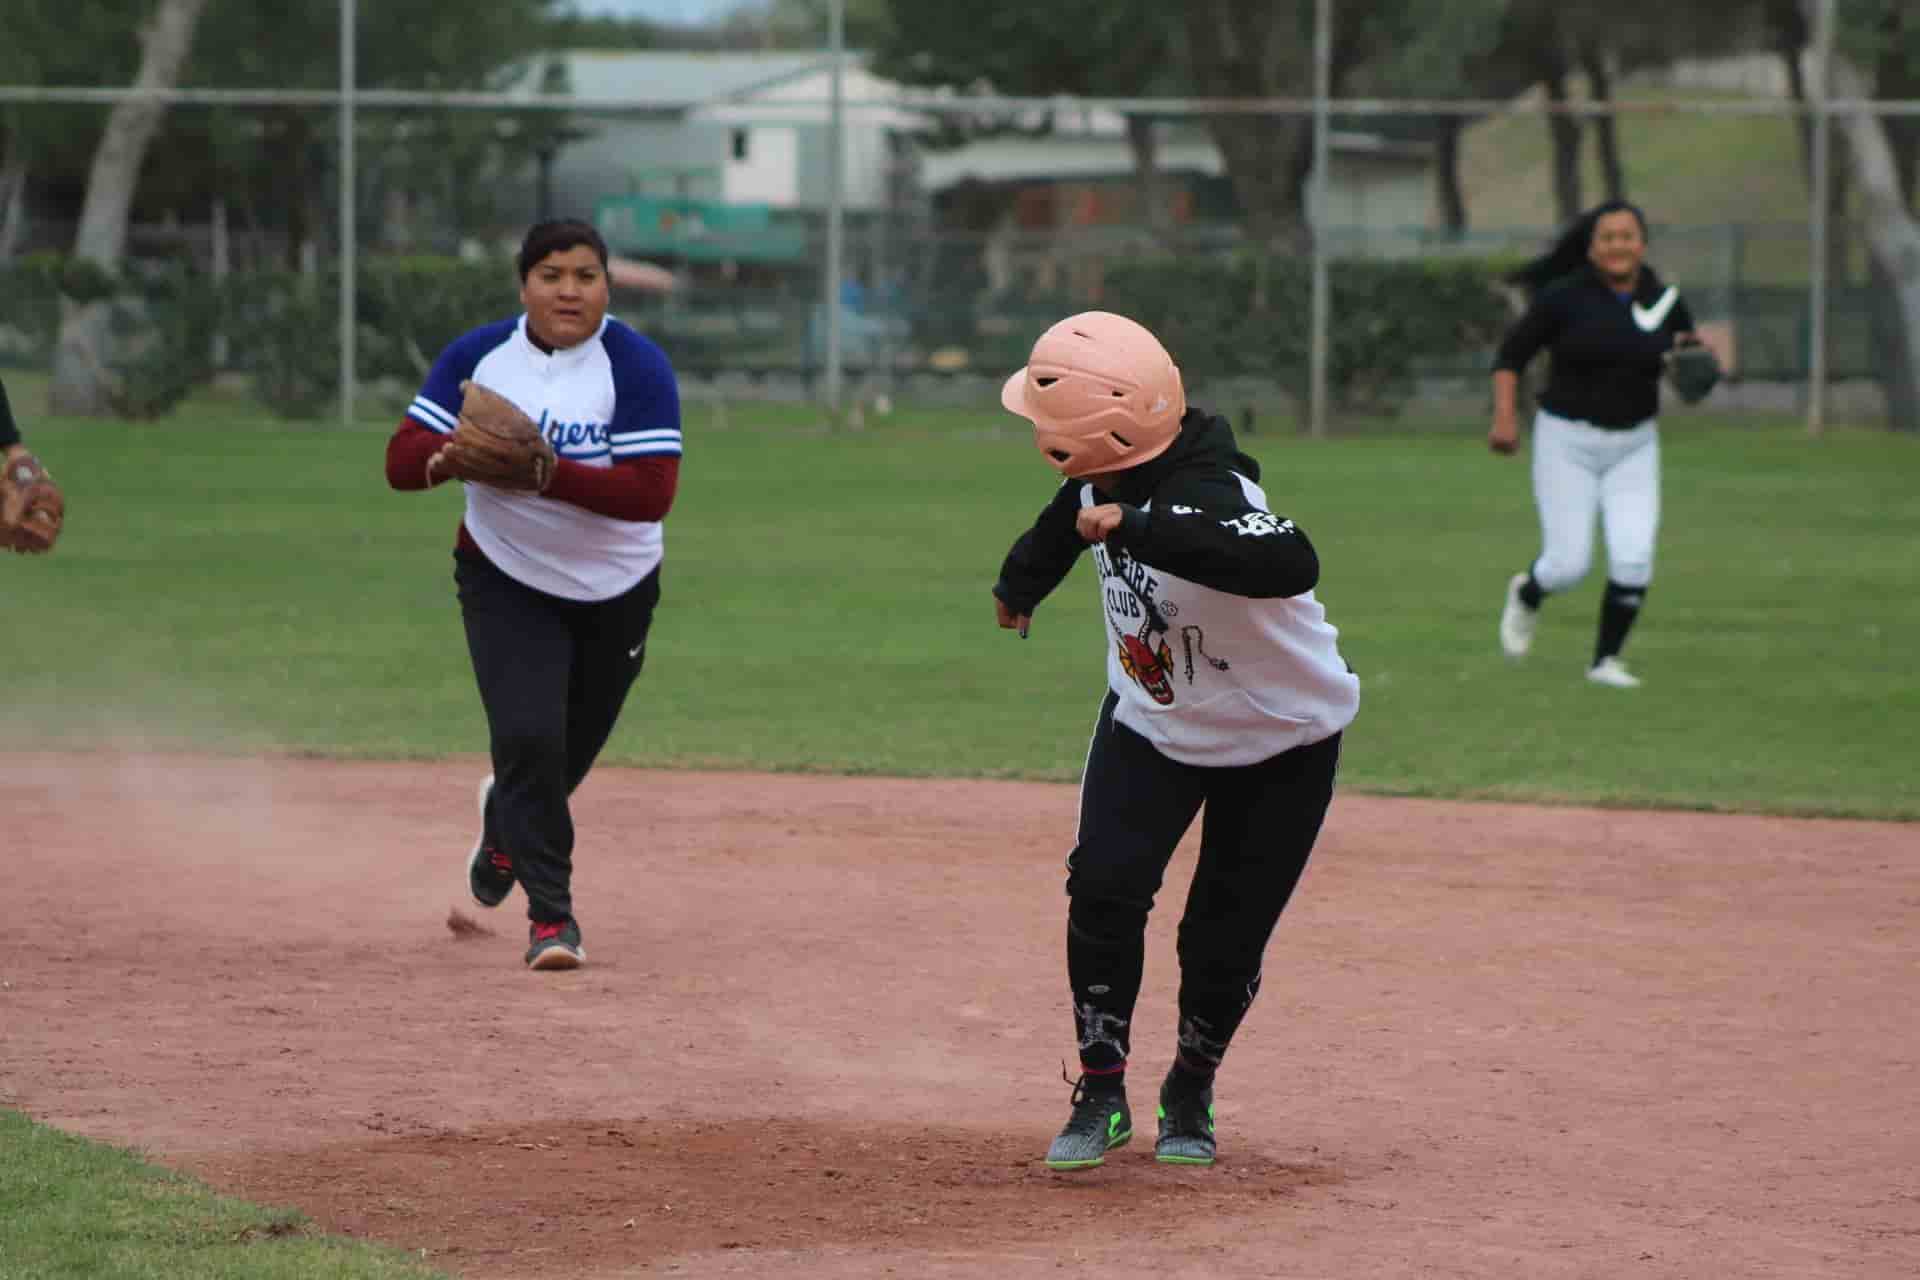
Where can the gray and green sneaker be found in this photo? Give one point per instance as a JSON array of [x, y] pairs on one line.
[[1099, 1123], [1186, 1126]]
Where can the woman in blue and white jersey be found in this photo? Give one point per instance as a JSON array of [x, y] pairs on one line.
[[557, 589]]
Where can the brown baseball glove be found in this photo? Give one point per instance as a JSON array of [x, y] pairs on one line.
[[495, 444], [32, 508]]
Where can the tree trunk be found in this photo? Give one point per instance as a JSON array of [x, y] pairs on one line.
[[1242, 50], [543, 185], [1896, 77], [293, 143], [1564, 130], [1606, 139], [13, 198], [1146, 173], [1903, 134], [1263, 160], [1446, 171], [80, 380], [1892, 329], [1893, 241], [1887, 326], [1790, 42]]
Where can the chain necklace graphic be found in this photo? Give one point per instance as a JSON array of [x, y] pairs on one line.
[[1192, 638]]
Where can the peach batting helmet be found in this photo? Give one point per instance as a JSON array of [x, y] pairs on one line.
[[1101, 392]]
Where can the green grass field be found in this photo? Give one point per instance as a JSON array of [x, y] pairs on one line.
[[70, 1208], [234, 585]]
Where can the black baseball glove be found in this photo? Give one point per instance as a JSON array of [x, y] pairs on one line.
[[1693, 370]]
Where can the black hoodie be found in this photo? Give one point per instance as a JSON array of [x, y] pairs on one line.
[[1608, 351], [9, 434], [1198, 476], [1219, 654]]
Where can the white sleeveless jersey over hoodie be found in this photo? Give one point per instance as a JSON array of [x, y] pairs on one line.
[[1232, 680], [1218, 651]]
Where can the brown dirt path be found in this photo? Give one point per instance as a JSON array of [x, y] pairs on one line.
[[822, 1029]]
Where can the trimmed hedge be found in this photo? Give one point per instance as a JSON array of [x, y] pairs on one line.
[[1387, 318], [283, 326], [164, 320]]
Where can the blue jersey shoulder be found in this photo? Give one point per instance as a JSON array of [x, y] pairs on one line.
[[437, 407], [632, 353], [646, 414]]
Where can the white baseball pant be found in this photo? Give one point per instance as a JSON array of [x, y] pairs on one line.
[[1580, 469]]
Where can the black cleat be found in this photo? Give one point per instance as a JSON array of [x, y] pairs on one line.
[[555, 946], [489, 869]]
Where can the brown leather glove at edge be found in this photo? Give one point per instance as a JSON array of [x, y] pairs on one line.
[[495, 443], [32, 508]]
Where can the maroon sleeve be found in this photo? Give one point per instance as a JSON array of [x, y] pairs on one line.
[[640, 489], [407, 454]]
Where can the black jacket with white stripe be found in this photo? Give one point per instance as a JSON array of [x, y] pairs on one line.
[[9, 434], [1608, 351]]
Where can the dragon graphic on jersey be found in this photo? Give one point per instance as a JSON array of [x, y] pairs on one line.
[[1149, 667], [1144, 655]]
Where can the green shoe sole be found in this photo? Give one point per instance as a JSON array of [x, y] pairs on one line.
[[1069, 1166], [1197, 1160]]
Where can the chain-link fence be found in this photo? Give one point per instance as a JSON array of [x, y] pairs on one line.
[[957, 244]]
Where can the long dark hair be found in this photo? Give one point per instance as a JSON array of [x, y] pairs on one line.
[[1569, 252]]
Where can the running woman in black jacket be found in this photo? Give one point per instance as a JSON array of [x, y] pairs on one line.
[[1225, 688], [1609, 322]]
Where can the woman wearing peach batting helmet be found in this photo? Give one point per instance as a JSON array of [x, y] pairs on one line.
[[1225, 688], [1101, 393]]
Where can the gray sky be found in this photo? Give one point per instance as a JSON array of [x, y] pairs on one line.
[[685, 12]]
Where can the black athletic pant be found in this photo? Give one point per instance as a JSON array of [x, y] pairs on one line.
[[1135, 805], [553, 674]]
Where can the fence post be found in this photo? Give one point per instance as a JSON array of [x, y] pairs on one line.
[[1822, 180], [349, 225], [836, 144], [1322, 91], [222, 252]]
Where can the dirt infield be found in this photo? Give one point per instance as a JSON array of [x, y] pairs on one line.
[[822, 1030]]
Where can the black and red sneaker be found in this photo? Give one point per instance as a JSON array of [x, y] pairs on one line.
[[555, 946], [489, 869]]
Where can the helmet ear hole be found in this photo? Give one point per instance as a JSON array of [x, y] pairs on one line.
[[1044, 382], [1060, 455], [1123, 442]]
